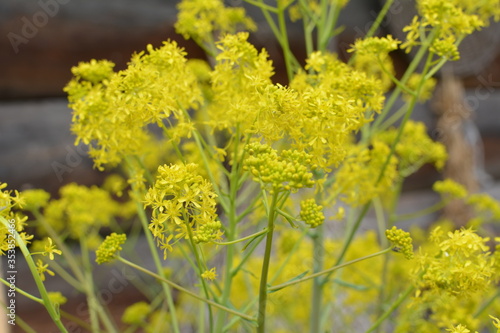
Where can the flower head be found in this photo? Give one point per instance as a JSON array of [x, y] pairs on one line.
[[108, 250]]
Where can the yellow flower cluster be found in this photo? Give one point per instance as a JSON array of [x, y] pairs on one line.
[[136, 313], [461, 266], [209, 274], [183, 203], [240, 76], [401, 240], [415, 148], [311, 213], [111, 110], [201, 19], [452, 20], [450, 189], [80, 210], [486, 207], [375, 45], [288, 171], [312, 9], [358, 177], [317, 113], [15, 220], [110, 247], [334, 101], [35, 199]]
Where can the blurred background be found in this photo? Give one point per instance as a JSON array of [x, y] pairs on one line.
[[41, 40]]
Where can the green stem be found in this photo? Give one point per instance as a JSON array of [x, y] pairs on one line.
[[200, 267], [326, 271], [319, 259], [486, 304], [156, 259], [54, 314], [22, 292], [66, 251], [243, 239], [184, 290], [393, 307], [423, 212], [94, 306], [265, 266], [379, 19]]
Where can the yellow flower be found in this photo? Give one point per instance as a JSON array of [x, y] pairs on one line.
[[51, 249], [42, 269], [109, 249], [209, 275]]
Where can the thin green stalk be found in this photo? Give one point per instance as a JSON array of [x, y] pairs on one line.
[[54, 314], [156, 260], [22, 292], [200, 267], [94, 306], [234, 186], [352, 232], [382, 226], [287, 53], [423, 212], [243, 239], [66, 251], [326, 271], [409, 71], [487, 304], [265, 266], [318, 248], [391, 309], [379, 19], [184, 290], [319, 259], [332, 15]]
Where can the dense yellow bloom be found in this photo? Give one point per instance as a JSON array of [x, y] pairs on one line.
[[201, 19], [111, 110], [183, 203], [461, 266], [357, 180], [111, 246], [80, 210], [415, 148], [452, 20]]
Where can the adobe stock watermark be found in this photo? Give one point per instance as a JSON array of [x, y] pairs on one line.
[[31, 26], [73, 159]]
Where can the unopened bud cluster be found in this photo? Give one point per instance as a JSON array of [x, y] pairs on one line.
[[311, 213], [286, 171]]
